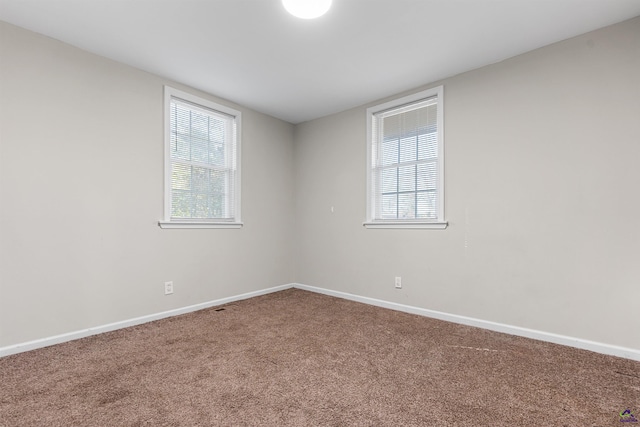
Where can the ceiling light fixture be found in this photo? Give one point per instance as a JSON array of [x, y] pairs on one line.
[[307, 9]]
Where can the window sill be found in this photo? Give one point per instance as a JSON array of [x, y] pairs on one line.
[[406, 224], [192, 224]]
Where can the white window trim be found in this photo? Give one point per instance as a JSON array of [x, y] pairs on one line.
[[436, 225], [199, 224], [440, 222], [170, 92]]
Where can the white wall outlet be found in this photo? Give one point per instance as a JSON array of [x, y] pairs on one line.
[[398, 282], [168, 288]]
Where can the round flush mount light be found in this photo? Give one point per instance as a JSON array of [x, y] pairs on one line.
[[307, 9]]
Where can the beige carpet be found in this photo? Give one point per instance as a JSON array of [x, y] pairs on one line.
[[296, 358]]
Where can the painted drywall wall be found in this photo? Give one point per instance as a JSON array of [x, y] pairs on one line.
[[81, 191], [541, 197]]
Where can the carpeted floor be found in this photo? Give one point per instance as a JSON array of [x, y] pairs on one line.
[[295, 358]]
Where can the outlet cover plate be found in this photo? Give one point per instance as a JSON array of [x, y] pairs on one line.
[[168, 288]]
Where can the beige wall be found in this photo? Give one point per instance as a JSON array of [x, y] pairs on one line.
[[81, 191], [542, 197]]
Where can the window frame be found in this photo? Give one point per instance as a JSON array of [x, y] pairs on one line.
[[439, 222], [198, 102]]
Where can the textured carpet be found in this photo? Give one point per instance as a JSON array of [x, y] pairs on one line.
[[295, 358]]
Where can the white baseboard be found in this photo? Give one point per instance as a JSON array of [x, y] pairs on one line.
[[70, 336], [612, 350]]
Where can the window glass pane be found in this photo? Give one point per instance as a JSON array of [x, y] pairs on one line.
[[428, 145], [407, 178], [199, 150], [389, 206], [182, 119], [406, 206], [200, 179], [217, 130], [181, 176], [427, 176], [427, 205], [408, 149], [180, 204], [217, 135], [390, 180], [221, 187], [181, 148], [216, 154], [388, 152], [202, 206], [199, 125]]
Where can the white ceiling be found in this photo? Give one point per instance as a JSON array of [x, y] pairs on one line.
[[254, 53]]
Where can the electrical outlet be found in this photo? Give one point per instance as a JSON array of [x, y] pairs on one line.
[[398, 282], [168, 288]]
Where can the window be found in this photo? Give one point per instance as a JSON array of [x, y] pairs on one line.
[[405, 162], [202, 163]]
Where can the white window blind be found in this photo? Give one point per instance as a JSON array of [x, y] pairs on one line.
[[202, 155], [405, 160]]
